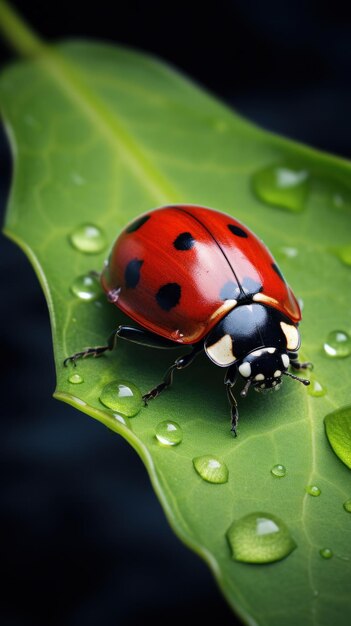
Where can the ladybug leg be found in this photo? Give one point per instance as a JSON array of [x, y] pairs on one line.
[[179, 364], [167, 381], [135, 335], [96, 351], [144, 337], [229, 381], [295, 363]]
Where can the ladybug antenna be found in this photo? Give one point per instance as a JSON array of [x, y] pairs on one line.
[[245, 390], [304, 381]]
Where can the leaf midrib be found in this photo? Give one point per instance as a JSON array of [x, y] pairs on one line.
[[110, 125], [29, 45]]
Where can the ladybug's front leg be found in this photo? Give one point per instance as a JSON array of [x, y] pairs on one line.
[[179, 364], [96, 351], [229, 382], [295, 363]]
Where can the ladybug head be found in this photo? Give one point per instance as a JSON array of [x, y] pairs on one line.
[[264, 368]]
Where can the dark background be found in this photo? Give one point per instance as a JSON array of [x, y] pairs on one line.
[[83, 537]]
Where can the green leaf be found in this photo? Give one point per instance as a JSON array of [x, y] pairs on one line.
[[338, 429], [102, 134]]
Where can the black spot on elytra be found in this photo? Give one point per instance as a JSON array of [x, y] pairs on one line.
[[229, 291], [138, 223], [236, 230], [168, 296], [278, 272], [132, 273], [184, 241]]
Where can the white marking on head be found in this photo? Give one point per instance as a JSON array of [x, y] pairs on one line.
[[285, 360], [292, 336], [277, 373], [274, 383], [221, 352], [249, 307], [271, 350], [259, 377], [245, 370]]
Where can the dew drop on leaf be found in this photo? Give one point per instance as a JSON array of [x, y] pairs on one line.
[[287, 252], [347, 506], [168, 433], [122, 419], [313, 490], [211, 469], [316, 389], [282, 186], [278, 470], [122, 396], [338, 344], [77, 179], [338, 429], [76, 379], [86, 287], [326, 553], [260, 538], [88, 238], [338, 201]]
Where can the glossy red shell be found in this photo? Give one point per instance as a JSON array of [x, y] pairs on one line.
[[225, 259]]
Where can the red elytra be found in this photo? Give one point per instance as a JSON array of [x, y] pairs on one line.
[[180, 269]]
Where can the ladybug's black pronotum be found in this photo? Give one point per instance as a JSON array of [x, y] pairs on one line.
[[193, 276]]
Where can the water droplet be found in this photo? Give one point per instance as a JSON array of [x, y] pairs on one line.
[[316, 389], [177, 336], [326, 553], [283, 186], [338, 344], [260, 538], [278, 470], [347, 505], [168, 433], [338, 200], [76, 379], [78, 179], [288, 252], [211, 469], [86, 287], [122, 419], [313, 490], [338, 430], [88, 238], [80, 402], [122, 396]]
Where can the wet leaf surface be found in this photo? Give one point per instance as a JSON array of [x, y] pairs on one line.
[[100, 135]]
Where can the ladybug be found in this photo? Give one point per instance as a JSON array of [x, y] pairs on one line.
[[190, 275]]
